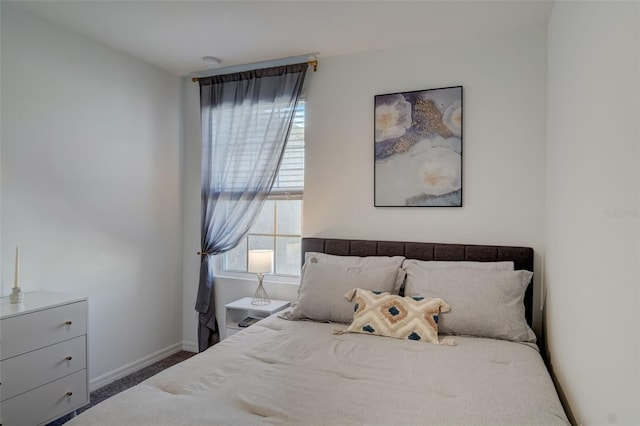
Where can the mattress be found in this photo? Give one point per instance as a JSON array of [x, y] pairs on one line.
[[301, 373]]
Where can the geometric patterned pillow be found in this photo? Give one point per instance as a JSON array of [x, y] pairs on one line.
[[384, 314]]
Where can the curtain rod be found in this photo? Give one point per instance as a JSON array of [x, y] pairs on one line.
[[313, 63]]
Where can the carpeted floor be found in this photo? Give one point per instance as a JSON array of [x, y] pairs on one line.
[[126, 382]]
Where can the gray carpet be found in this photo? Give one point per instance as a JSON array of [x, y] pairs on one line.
[[126, 382]]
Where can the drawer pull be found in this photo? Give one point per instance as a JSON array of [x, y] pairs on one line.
[[69, 358], [68, 322], [69, 393]]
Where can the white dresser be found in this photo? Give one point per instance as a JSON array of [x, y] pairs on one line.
[[43, 358]]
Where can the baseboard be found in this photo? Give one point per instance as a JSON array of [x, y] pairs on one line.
[[119, 373], [190, 347]]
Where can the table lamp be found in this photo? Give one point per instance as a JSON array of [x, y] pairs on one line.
[[260, 262]]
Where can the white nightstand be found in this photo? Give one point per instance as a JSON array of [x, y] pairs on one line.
[[242, 308]]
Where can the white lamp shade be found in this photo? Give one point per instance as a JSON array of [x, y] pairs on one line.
[[260, 261]]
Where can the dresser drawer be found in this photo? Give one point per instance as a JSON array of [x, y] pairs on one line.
[[47, 402], [24, 372], [24, 333]]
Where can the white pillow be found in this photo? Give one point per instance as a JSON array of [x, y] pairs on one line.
[[418, 265], [358, 261], [483, 303], [323, 286], [366, 262]]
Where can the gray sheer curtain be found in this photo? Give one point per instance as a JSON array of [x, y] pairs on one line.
[[246, 119]]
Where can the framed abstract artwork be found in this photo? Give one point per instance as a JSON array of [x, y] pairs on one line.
[[418, 148]]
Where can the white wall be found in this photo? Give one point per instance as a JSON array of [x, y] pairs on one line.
[[191, 215], [592, 210], [503, 142], [504, 131], [91, 185]]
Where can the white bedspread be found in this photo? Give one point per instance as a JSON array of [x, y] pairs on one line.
[[284, 372]]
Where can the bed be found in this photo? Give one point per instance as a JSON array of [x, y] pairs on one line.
[[293, 368]]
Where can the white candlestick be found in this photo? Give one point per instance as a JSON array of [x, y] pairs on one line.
[[15, 282]]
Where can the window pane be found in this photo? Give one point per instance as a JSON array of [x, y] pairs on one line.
[[264, 222], [257, 242], [236, 259], [289, 217], [287, 259], [291, 174]]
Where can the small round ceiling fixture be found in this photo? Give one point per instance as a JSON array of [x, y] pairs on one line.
[[212, 61]]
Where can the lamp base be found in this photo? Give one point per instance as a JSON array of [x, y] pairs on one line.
[[260, 298], [16, 296]]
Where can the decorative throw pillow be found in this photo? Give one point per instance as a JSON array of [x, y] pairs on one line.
[[321, 293], [483, 303], [384, 314], [365, 262]]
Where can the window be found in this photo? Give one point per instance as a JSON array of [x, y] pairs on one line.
[[279, 223]]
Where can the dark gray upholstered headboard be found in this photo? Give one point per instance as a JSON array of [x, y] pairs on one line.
[[522, 257]]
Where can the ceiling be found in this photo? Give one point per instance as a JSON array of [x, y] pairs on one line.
[[176, 34]]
